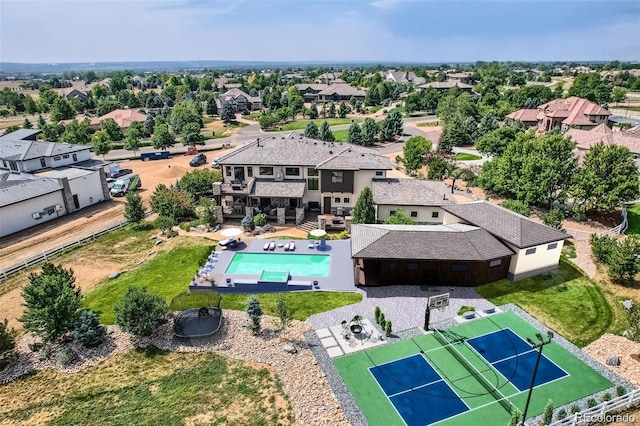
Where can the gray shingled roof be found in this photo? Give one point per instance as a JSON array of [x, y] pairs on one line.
[[411, 192], [12, 192], [20, 150], [20, 134], [446, 85], [511, 227], [342, 90], [425, 242], [285, 189], [300, 151], [312, 86]]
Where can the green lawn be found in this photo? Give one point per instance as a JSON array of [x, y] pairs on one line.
[[301, 124], [168, 274], [375, 108], [150, 387], [566, 300], [633, 215], [428, 123], [206, 119], [302, 304], [463, 156], [341, 135], [483, 408]]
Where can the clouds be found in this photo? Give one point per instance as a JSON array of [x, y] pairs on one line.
[[306, 30]]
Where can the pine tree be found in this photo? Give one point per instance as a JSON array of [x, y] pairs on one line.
[[88, 330], [27, 124], [355, 134], [283, 312], [313, 111], [134, 208], [332, 110], [547, 415], [343, 110], [149, 124], [212, 107], [364, 211], [325, 132], [41, 121], [311, 130], [254, 311], [369, 131], [227, 113]]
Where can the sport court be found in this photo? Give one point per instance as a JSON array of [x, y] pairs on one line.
[[475, 373]]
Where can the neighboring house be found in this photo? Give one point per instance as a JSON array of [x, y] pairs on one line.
[[327, 77], [565, 114], [240, 101], [124, 117], [454, 254], [288, 77], [446, 85], [404, 77], [421, 200], [461, 77], [295, 172], [528, 117], [340, 92], [585, 139], [44, 180], [309, 91], [75, 93], [536, 247]]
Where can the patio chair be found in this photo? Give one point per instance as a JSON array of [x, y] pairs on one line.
[[286, 247], [311, 244], [272, 245], [265, 247], [292, 246]]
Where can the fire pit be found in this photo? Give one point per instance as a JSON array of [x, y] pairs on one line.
[[356, 329]]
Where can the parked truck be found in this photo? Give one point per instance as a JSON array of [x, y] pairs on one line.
[[162, 155], [125, 184]]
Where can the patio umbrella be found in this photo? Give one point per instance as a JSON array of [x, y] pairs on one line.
[[318, 233], [231, 232]]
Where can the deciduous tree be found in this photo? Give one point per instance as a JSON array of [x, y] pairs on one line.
[[399, 218], [191, 135], [134, 208], [162, 137], [414, 151], [140, 313], [101, 142], [111, 128]]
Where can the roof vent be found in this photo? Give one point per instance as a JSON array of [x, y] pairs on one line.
[[330, 152], [362, 155]]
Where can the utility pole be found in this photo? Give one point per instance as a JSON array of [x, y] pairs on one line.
[[539, 345]]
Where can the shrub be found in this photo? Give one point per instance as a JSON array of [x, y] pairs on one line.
[[52, 302], [606, 397], [602, 247], [516, 417], [283, 312], [561, 414], [623, 262], [547, 415], [88, 330], [554, 218], [134, 208], [67, 356], [255, 314], [591, 402], [163, 223], [7, 337], [343, 235], [575, 408], [620, 390], [376, 314], [517, 206], [260, 219], [248, 223], [139, 312], [45, 352], [388, 329]]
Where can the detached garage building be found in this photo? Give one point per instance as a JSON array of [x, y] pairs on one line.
[[478, 243]]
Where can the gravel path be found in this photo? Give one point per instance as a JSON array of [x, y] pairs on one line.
[[403, 305]]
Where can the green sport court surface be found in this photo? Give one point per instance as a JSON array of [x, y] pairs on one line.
[[420, 381], [312, 265]]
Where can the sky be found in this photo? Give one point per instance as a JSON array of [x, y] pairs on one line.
[[58, 31]]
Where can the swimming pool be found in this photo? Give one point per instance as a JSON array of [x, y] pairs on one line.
[[309, 265]]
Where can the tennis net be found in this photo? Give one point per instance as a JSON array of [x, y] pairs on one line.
[[474, 371]]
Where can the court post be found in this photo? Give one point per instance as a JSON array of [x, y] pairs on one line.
[[542, 342]]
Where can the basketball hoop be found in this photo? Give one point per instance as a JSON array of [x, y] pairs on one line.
[[439, 302]]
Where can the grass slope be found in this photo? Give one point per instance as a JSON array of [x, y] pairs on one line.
[[341, 135], [566, 301], [150, 388], [633, 215], [302, 304], [168, 274], [301, 124], [463, 156]]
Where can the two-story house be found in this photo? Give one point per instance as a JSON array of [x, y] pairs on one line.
[[295, 172], [240, 101], [570, 113]]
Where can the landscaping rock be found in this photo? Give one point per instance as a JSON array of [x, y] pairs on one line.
[[153, 237], [114, 275], [613, 361], [628, 304], [289, 348], [158, 242]]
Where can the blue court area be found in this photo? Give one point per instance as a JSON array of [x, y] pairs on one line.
[[417, 391], [515, 359]]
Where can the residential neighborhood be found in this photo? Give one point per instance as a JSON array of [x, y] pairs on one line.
[[355, 213]]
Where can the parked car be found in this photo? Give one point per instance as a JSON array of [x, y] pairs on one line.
[[214, 163], [113, 176], [125, 184], [192, 151], [229, 242], [198, 160]]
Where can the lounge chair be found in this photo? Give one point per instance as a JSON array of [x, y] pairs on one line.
[[265, 247], [286, 247], [311, 244], [292, 246], [272, 245]]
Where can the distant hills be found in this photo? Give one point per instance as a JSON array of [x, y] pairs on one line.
[[17, 67]]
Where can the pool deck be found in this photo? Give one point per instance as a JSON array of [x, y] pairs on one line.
[[340, 276]]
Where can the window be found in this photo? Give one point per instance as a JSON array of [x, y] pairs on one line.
[[266, 171], [435, 215], [312, 172], [530, 251], [346, 200], [4, 163], [65, 156], [393, 266], [13, 166], [412, 266], [75, 157], [552, 246], [228, 170], [250, 171], [458, 267], [379, 173], [336, 200], [414, 214], [337, 177], [56, 158], [292, 171], [313, 184], [43, 163], [495, 263]]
